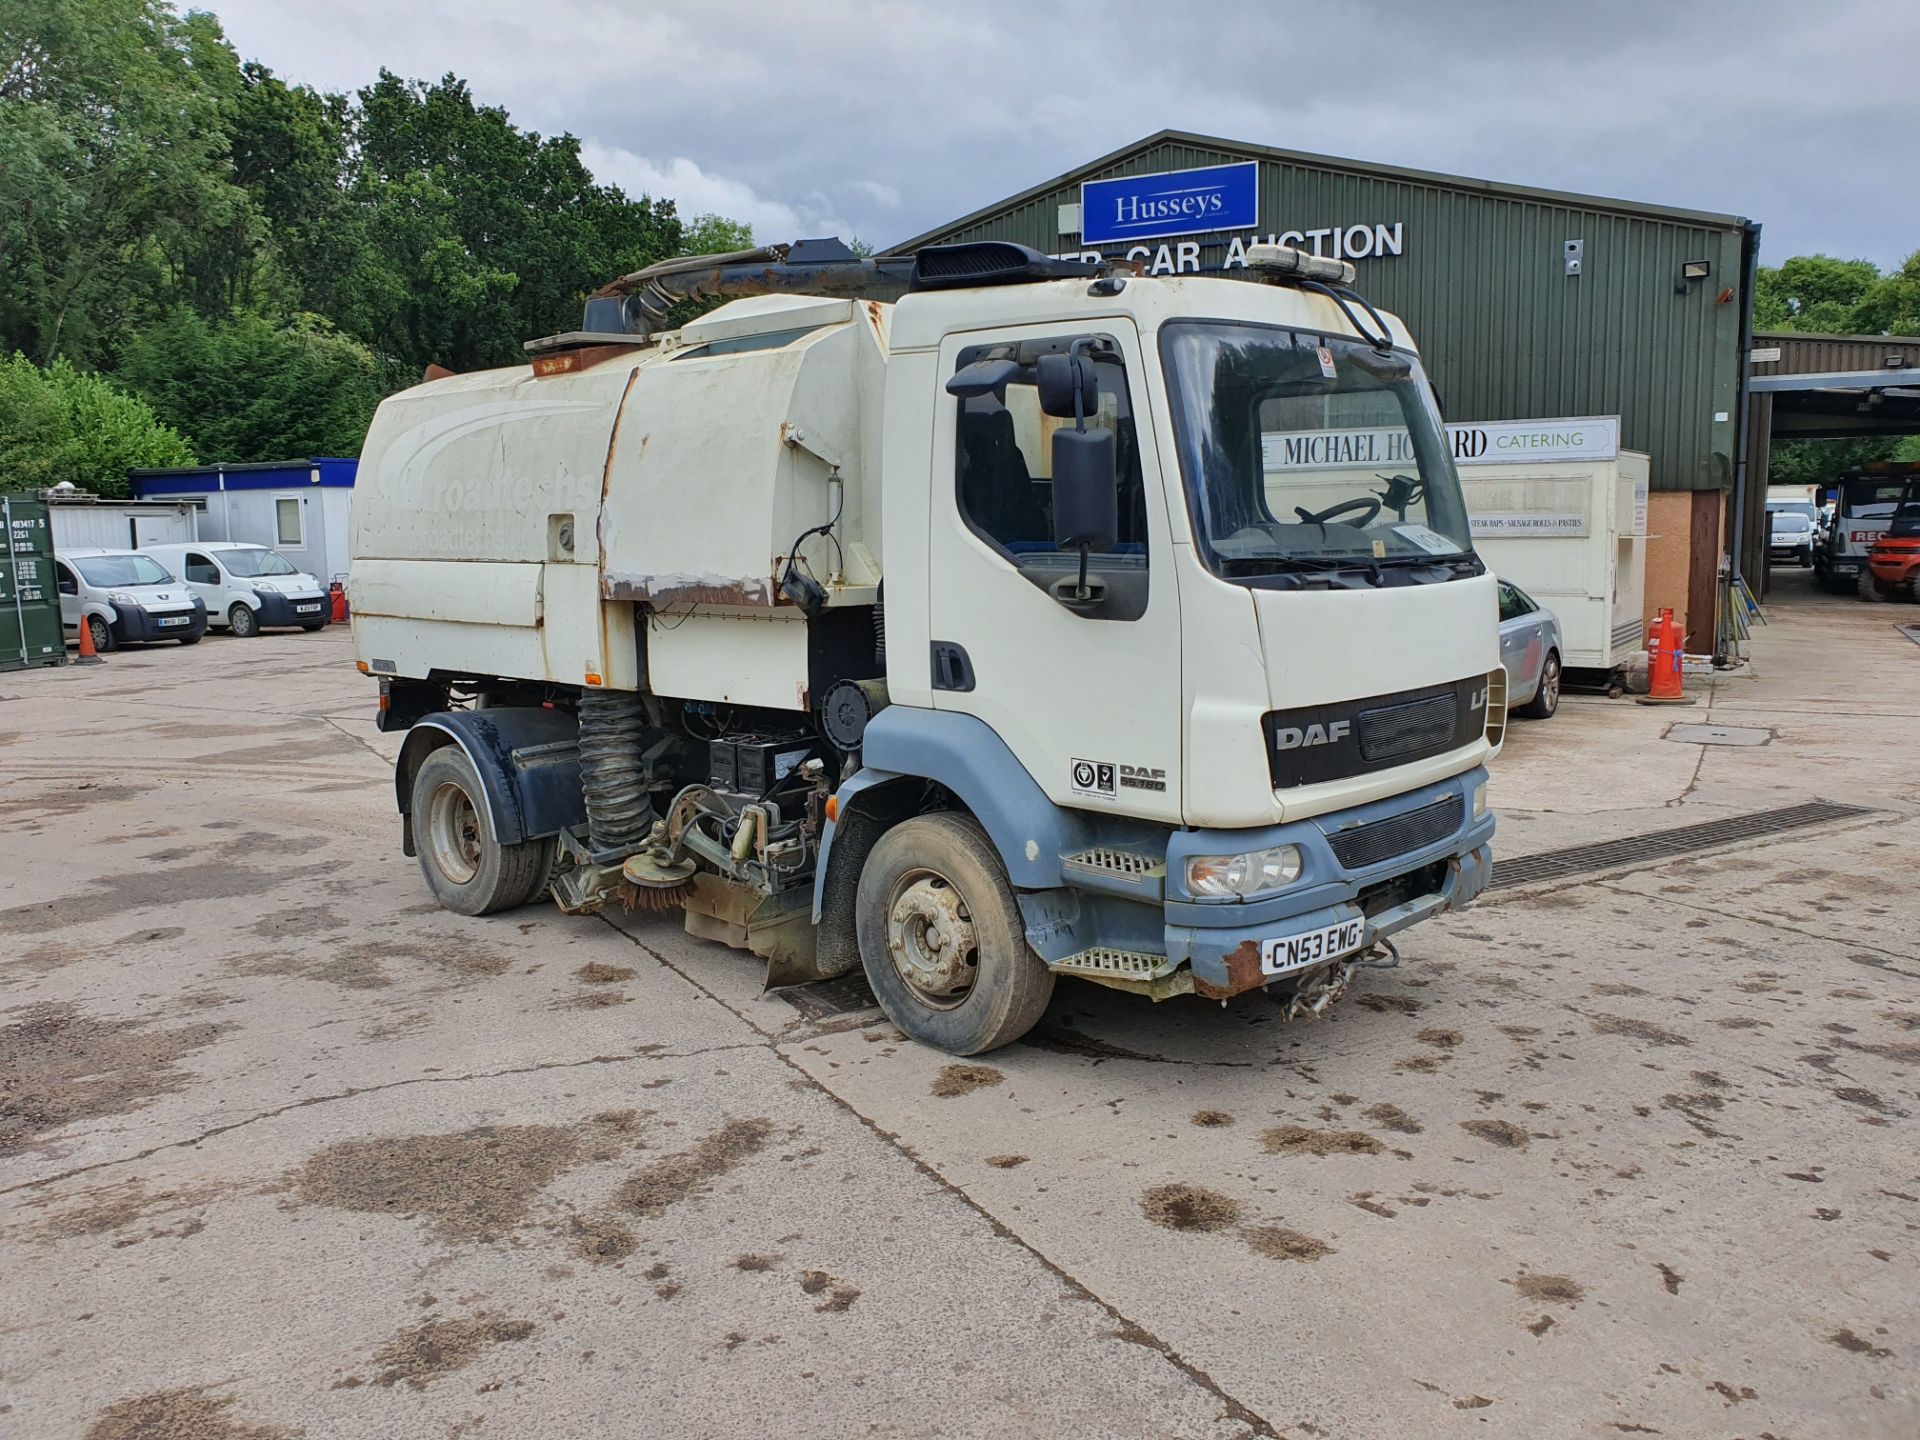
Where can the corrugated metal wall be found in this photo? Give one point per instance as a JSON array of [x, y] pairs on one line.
[[1507, 334]]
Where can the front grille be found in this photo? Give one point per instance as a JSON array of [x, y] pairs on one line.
[[1366, 845], [1401, 729]]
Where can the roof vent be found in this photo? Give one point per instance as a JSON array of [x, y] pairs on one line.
[[993, 262]]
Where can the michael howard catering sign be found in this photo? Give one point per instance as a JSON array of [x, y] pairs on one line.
[[1176, 202]]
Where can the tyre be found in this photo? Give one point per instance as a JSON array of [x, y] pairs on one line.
[[942, 939], [242, 622], [1546, 699], [1806, 561], [189, 639], [103, 640], [311, 628], [468, 870]]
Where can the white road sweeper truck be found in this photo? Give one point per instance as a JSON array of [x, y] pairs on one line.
[[974, 617]]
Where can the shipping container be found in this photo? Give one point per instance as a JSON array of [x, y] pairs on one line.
[[30, 631]]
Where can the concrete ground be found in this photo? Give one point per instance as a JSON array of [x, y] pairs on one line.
[[287, 1150]]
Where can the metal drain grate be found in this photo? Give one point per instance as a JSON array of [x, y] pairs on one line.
[[824, 998], [1663, 844]]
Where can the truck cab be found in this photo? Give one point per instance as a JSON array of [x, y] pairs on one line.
[[1048, 622]]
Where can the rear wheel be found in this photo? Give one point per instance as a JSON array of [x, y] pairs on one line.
[[942, 940], [469, 871], [1546, 699], [241, 621]]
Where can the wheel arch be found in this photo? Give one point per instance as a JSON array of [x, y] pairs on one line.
[[527, 759]]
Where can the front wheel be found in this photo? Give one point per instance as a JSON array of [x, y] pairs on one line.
[[311, 628], [241, 621], [1546, 699], [469, 871], [942, 940], [103, 640], [189, 639]]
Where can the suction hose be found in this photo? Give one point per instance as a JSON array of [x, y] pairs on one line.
[[612, 774]]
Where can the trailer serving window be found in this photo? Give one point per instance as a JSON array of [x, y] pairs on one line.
[[1306, 453]]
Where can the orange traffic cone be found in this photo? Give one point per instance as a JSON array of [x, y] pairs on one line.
[[88, 655], [1666, 642]]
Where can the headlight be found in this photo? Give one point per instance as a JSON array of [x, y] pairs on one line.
[[266, 587], [1244, 876], [1479, 799], [120, 597]]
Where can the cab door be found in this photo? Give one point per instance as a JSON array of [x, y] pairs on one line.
[[1083, 686], [68, 584], [203, 577]]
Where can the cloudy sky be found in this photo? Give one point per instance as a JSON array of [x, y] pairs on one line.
[[868, 118]]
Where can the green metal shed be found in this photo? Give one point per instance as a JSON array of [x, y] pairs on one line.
[[1480, 272]]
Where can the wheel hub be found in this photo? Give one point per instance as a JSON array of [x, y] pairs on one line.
[[454, 833], [931, 938]]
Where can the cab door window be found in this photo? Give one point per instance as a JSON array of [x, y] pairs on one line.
[[63, 580], [1003, 466], [200, 570]]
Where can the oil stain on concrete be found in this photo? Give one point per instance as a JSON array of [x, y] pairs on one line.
[[475, 1185], [60, 1065], [194, 1414], [673, 1178], [421, 1354]]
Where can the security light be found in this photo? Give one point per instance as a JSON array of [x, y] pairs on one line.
[[1696, 269]]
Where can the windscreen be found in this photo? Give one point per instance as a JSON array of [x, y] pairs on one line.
[[256, 564], [108, 570], [1303, 451], [1789, 521], [1870, 499]]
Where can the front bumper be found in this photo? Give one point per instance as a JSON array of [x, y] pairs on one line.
[[292, 609], [1220, 942], [135, 624], [1213, 948]]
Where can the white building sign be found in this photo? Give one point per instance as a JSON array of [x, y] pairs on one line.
[[1487, 442]]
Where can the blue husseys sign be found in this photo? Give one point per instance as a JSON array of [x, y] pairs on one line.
[[1176, 202]]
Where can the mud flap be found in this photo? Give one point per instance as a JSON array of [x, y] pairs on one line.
[[778, 928]]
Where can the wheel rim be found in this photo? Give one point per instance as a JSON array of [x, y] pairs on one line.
[[1550, 684], [242, 620], [931, 939], [454, 839], [101, 634]]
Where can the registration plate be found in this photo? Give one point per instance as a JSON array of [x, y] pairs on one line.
[[307, 609], [1295, 952], [174, 619]]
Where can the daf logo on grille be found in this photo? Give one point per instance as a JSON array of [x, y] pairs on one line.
[[1293, 737]]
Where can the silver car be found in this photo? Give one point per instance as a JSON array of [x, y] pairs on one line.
[[1530, 649]]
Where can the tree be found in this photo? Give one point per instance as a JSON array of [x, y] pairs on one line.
[[248, 390], [714, 235], [480, 235], [112, 168], [62, 424], [1813, 292], [1893, 306]]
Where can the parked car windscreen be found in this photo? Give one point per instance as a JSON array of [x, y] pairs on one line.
[[1785, 520], [122, 570], [256, 564]]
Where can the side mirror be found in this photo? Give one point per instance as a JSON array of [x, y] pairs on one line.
[[983, 377], [1063, 379], [1086, 489]]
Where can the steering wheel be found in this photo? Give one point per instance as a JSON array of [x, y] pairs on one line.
[[1372, 507]]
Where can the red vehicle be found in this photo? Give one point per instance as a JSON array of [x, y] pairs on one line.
[[1894, 561]]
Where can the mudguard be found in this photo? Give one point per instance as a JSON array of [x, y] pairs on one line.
[[528, 760]]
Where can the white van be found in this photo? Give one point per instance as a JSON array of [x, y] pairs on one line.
[[124, 596], [247, 587]]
